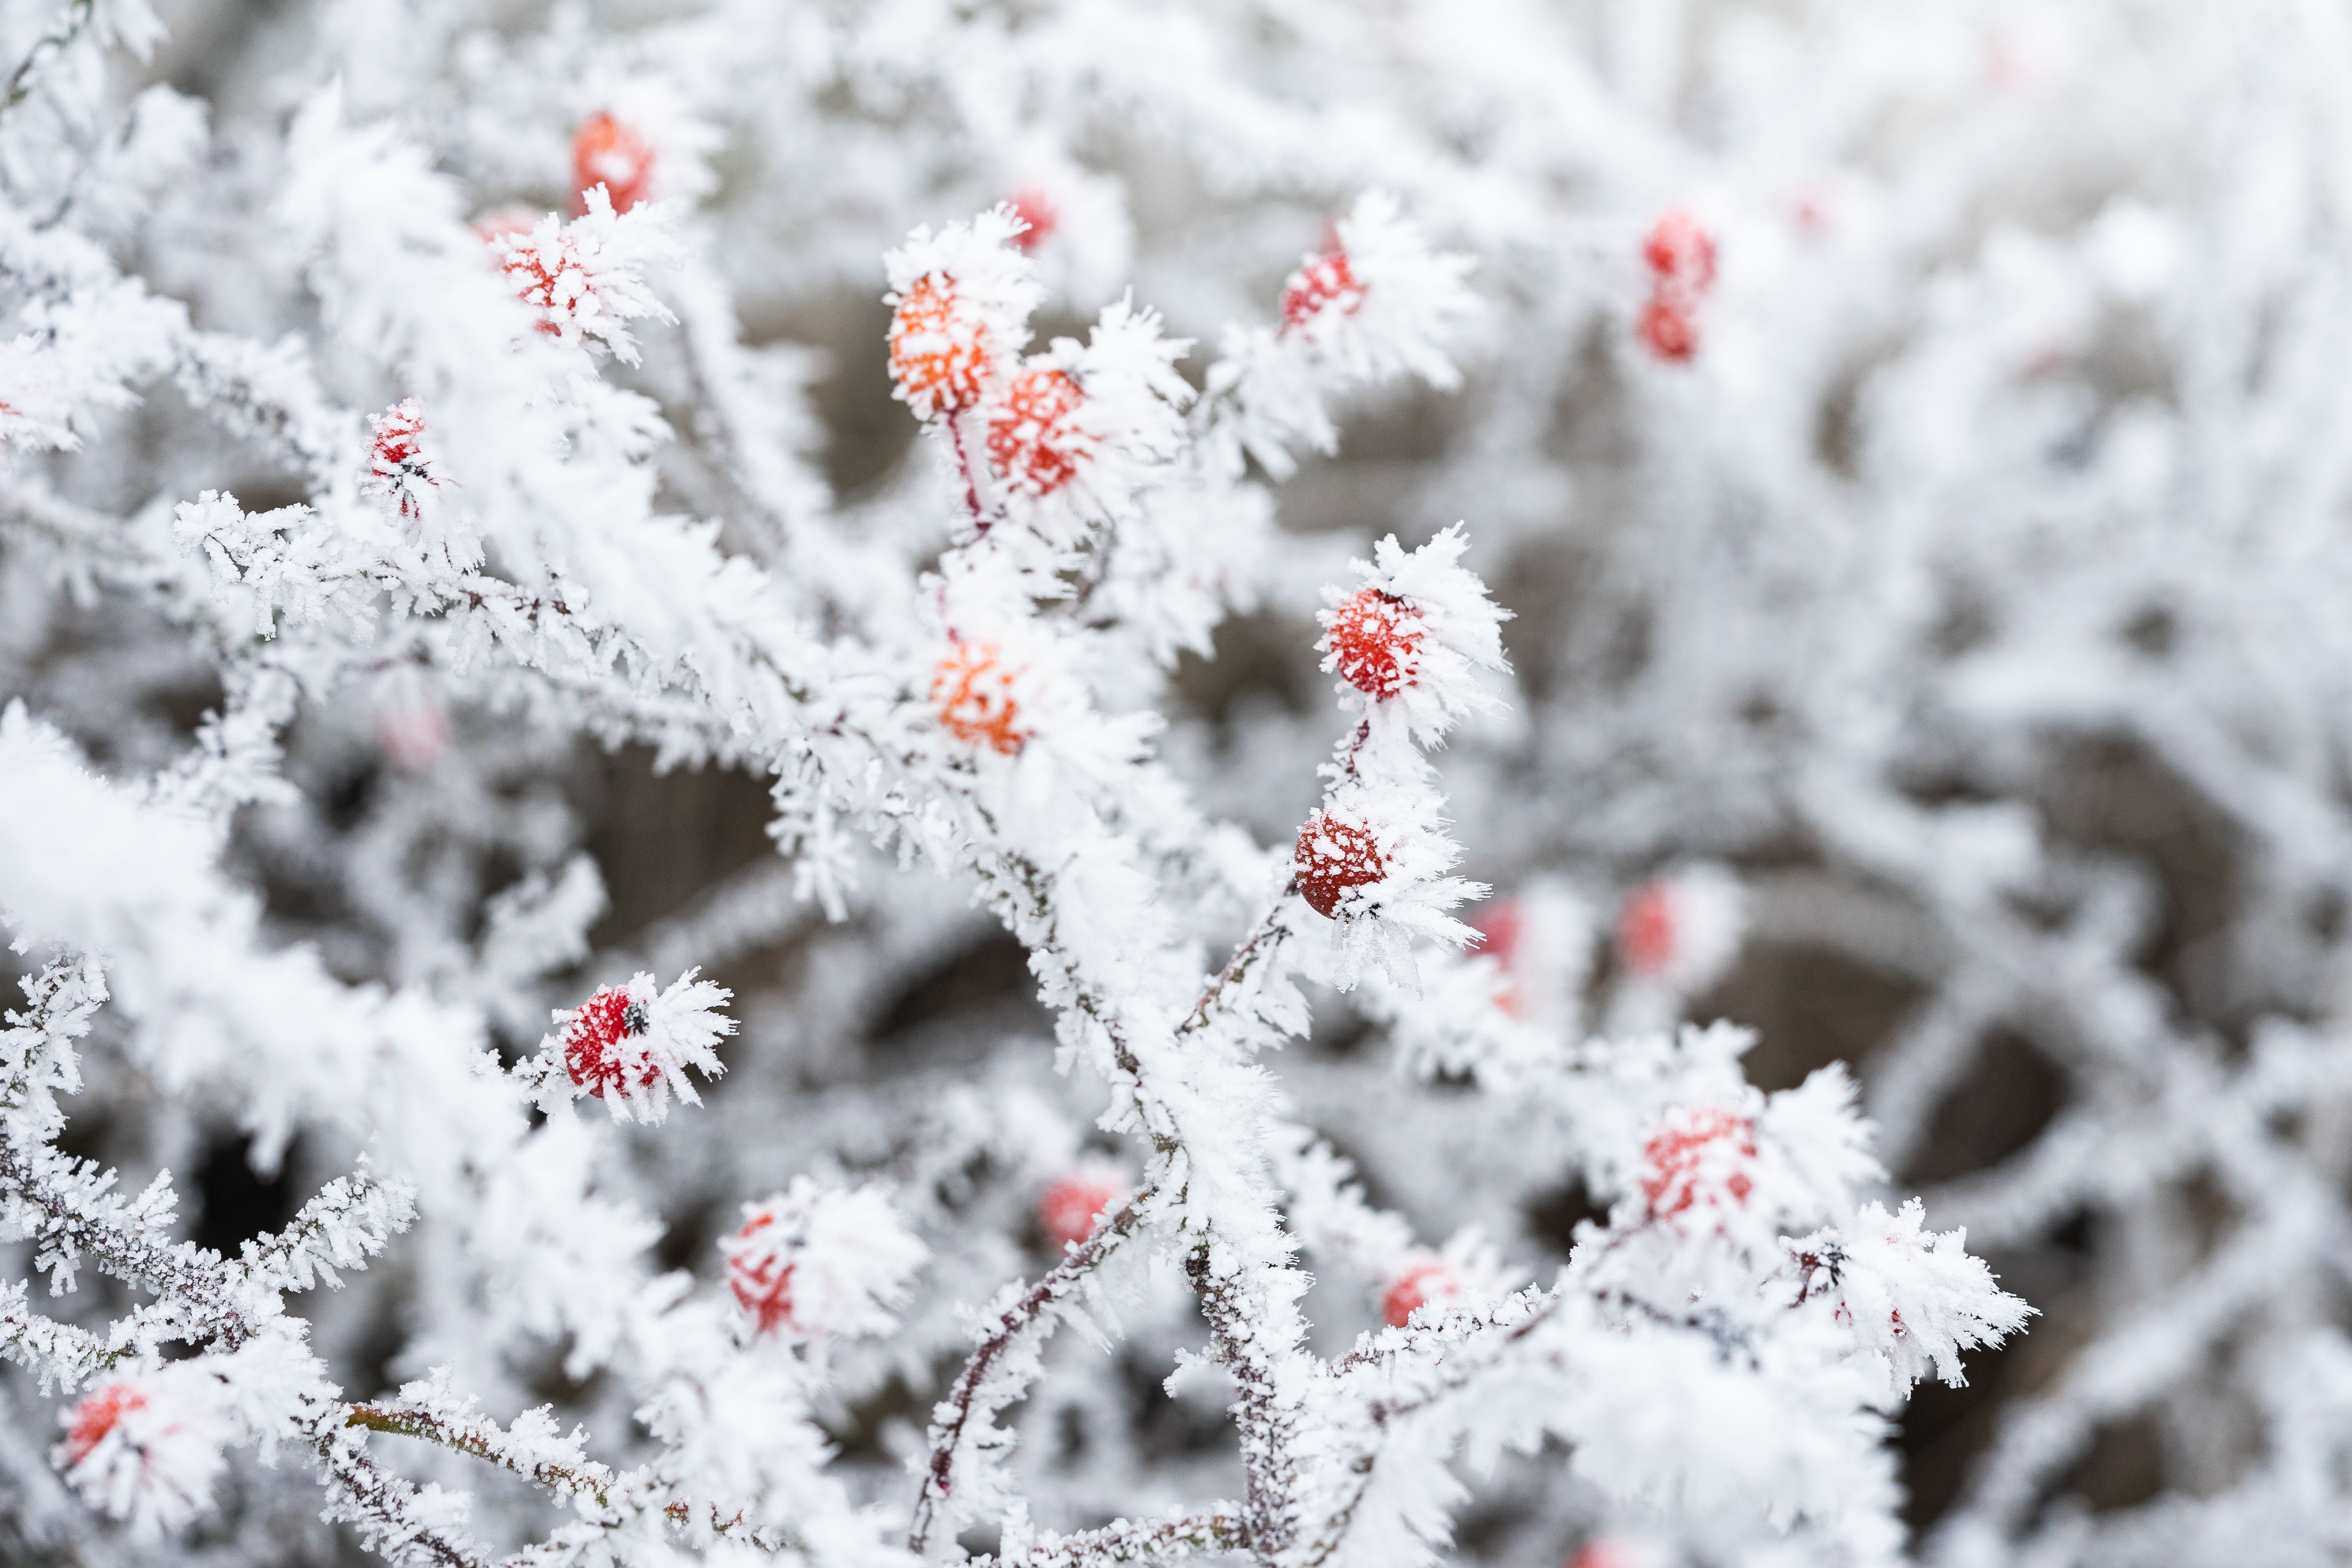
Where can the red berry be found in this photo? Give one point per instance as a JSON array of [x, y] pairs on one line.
[[536, 272], [1424, 1281], [1030, 440], [1689, 1152], [1646, 937], [1667, 328], [397, 461], [607, 153], [1070, 1206], [973, 693], [939, 350], [1498, 930], [1334, 855], [1681, 253], [1378, 641], [592, 1051], [1498, 937], [96, 1415], [1327, 282], [760, 1276], [1037, 209]]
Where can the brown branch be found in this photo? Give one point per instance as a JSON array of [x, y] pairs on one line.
[[939, 1480]]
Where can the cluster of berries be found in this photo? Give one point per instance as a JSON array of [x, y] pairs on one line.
[[1680, 258], [1373, 639]]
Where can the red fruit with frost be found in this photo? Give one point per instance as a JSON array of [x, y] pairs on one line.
[[593, 1050], [1498, 937], [1378, 640], [545, 277], [1037, 209], [1647, 930], [1426, 1280], [96, 1415], [1681, 254], [760, 1276], [1326, 283], [1033, 440], [1071, 1206], [605, 152], [1696, 1155], [1668, 327], [938, 347], [973, 690], [1334, 855], [396, 460]]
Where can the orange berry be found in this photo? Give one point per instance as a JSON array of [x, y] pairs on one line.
[[973, 692], [938, 349], [1030, 436]]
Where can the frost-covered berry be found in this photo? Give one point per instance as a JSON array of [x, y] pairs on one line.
[[584, 279], [629, 1045], [939, 348], [398, 469], [816, 1260], [144, 1449], [1645, 928], [1074, 1200], [1680, 930], [960, 302], [1325, 282], [1681, 254], [545, 276], [1700, 1155], [96, 1415], [605, 152], [596, 1043], [1375, 640], [1668, 327], [1033, 439], [1335, 854], [1424, 1278], [1040, 211], [972, 689], [1500, 929]]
